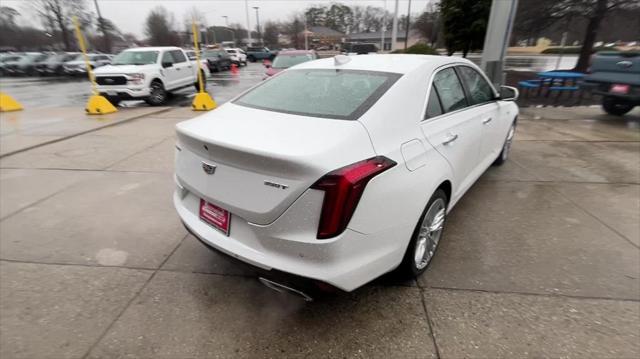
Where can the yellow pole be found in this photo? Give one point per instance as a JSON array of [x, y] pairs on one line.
[[83, 49], [203, 101], [97, 105], [197, 48]]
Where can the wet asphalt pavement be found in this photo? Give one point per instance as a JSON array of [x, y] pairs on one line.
[[49, 92]]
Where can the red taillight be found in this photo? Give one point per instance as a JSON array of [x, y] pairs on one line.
[[343, 188]]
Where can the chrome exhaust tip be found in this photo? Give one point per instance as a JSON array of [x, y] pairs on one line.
[[284, 289]]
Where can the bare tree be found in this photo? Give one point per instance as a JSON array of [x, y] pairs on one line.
[[58, 13], [8, 16], [594, 11], [159, 28]]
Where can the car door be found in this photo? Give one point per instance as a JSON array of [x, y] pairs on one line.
[[171, 73], [184, 69], [102, 60], [483, 98], [453, 130]]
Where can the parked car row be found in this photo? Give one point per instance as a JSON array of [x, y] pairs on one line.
[[48, 64], [219, 59]]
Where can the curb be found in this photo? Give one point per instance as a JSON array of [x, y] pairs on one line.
[[83, 132]]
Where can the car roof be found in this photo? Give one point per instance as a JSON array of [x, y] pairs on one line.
[[155, 48], [295, 52], [397, 63]]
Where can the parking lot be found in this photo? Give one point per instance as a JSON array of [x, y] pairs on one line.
[[541, 258]]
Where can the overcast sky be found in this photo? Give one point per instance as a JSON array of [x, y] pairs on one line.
[[129, 15]]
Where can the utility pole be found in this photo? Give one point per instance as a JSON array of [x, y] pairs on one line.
[[257, 8], [406, 34], [306, 39], [105, 34], [496, 40], [383, 25], [246, 11], [394, 30]]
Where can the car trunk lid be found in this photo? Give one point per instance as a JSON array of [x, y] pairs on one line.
[[263, 160]]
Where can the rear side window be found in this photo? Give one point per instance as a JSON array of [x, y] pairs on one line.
[[337, 94], [178, 56], [167, 58], [450, 90], [433, 106], [479, 89]]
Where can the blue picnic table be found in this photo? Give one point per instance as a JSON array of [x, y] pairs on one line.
[[560, 81]]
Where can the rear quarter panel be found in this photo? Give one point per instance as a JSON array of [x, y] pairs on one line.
[[397, 197]]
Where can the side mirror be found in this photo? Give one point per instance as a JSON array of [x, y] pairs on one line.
[[508, 93], [167, 64]]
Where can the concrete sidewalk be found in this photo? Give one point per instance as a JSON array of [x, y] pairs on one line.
[[31, 128], [541, 258]]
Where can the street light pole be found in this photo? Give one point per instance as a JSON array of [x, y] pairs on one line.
[[246, 10], [105, 35], [406, 34], [394, 30], [306, 39], [258, 23], [226, 20], [383, 27]]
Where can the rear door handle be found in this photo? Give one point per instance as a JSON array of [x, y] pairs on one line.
[[486, 120], [450, 139]]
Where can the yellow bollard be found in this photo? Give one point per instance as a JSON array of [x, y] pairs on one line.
[[203, 101], [7, 103], [97, 105]]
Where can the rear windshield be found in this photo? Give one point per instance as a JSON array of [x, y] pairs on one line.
[[286, 61], [327, 93], [133, 57]]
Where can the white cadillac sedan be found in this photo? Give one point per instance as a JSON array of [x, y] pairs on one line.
[[339, 170]]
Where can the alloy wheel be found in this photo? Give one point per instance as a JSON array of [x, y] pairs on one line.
[[430, 233]]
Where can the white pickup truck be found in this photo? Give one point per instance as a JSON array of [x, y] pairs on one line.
[[147, 73]]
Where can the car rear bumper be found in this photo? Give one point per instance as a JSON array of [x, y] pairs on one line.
[[603, 89], [288, 245], [629, 98], [124, 92]]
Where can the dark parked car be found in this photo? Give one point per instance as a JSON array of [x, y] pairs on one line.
[[260, 53], [8, 59], [24, 65], [52, 65], [217, 60], [288, 58], [359, 49], [616, 76]]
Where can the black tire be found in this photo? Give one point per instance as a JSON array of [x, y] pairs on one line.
[[506, 147], [204, 82], [244, 63], [615, 106], [114, 100], [158, 95], [251, 58], [408, 267]]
